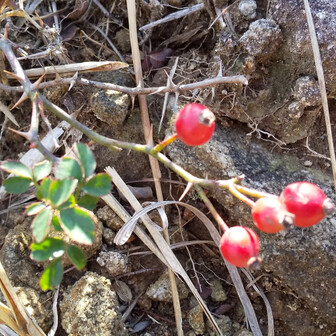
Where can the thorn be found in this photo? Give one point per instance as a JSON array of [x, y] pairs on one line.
[[5, 36], [38, 82], [21, 100], [187, 189], [25, 135], [133, 101], [24, 95], [73, 81], [11, 74]]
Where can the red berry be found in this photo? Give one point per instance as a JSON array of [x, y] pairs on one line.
[[240, 246], [195, 124], [307, 202], [270, 215]]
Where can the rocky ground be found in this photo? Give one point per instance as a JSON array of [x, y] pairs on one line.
[[271, 130]]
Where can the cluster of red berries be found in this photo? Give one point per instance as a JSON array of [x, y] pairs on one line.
[[301, 204]]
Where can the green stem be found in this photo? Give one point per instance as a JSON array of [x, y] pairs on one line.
[[252, 192], [239, 195], [211, 208]]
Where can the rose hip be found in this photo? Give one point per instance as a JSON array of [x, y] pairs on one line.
[[307, 202], [240, 246], [270, 215], [195, 124]]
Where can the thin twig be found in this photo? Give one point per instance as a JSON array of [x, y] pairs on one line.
[[239, 79], [173, 16]]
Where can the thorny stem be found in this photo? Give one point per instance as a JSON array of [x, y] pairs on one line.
[[211, 208], [133, 91], [112, 143]]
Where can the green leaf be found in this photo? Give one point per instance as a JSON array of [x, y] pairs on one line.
[[52, 275], [34, 208], [70, 202], [87, 159], [40, 225], [45, 185], [76, 256], [50, 248], [56, 224], [17, 168], [88, 202], [77, 223], [68, 167], [17, 184], [98, 185], [61, 190], [42, 170]]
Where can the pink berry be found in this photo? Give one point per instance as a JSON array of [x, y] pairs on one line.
[[307, 202], [270, 215], [195, 124], [240, 246]]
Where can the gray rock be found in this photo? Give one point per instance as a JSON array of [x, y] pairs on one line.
[[262, 38], [304, 259], [110, 218], [24, 274], [278, 89], [248, 8], [108, 236], [218, 293], [196, 319], [160, 290], [114, 262], [90, 307], [225, 325]]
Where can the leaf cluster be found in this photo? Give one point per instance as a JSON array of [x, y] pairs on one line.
[[66, 194]]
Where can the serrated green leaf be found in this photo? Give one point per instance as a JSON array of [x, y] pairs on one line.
[[77, 223], [88, 202], [87, 159], [48, 249], [34, 208], [68, 167], [76, 256], [17, 184], [45, 185], [16, 168], [41, 223], [42, 170], [52, 275], [61, 190], [56, 224], [98, 185]]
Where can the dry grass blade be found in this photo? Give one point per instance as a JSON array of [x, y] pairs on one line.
[[25, 325], [270, 320], [321, 80], [5, 110], [249, 311], [164, 249], [68, 69], [148, 133]]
